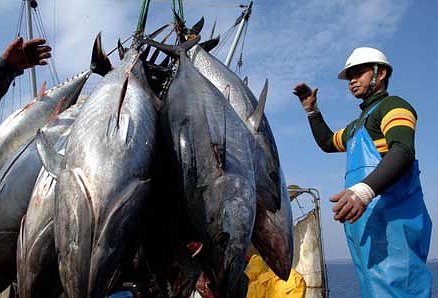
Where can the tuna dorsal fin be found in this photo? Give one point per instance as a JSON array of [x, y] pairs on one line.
[[196, 29], [120, 49], [256, 117], [49, 157], [157, 51], [245, 80], [42, 90], [210, 44], [100, 63], [58, 108], [122, 98]]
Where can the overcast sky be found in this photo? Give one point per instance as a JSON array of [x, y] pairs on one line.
[[287, 42]]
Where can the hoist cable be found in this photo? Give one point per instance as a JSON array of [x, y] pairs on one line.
[[240, 61], [51, 62]]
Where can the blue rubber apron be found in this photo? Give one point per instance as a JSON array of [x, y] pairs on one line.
[[389, 243]]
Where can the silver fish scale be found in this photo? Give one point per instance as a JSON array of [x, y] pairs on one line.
[[276, 248], [18, 128], [220, 199], [36, 255], [105, 170], [17, 183]]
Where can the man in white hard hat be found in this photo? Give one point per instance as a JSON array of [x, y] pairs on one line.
[[385, 219]]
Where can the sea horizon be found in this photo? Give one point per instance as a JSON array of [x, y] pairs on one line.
[[343, 283]]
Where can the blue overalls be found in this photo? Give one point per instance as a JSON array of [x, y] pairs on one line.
[[389, 243]]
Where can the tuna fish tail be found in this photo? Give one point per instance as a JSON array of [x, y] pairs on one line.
[[153, 35], [157, 51], [174, 51], [100, 62]]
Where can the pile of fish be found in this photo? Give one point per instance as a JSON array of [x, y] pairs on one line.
[[158, 182]]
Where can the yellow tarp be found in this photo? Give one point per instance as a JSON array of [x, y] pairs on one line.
[[263, 283]]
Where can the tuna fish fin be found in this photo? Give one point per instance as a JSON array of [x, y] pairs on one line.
[[179, 26], [213, 28], [173, 51], [256, 117], [217, 127], [227, 92], [210, 44], [58, 108], [42, 90], [157, 51], [122, 98], [197, 28], [245, 80], [50, 158], [120, 49], [100, 63], [146, 52]]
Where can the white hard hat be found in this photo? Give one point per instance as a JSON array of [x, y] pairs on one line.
[[364, 56]]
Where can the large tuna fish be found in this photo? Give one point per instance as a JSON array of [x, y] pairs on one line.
[[210, 150], [103, 179], [251, 111], [272, 235], [18, 175], [37, 265], [22, 125]]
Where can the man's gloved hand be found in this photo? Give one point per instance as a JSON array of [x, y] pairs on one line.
[[307, 97], [352, 202], [24, 54]]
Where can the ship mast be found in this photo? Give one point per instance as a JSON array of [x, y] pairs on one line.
[[244, 19], [29, 32]]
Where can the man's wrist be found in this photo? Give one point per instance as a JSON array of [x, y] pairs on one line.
[[9, 69], [363, 192], [313, 110]]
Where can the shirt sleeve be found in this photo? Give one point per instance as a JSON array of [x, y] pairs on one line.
[[326, 139], [6, 77], [398, 124]]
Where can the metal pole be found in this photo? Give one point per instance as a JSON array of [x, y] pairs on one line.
[[29, 32], [245, 18], [321, 242], [316, 200]]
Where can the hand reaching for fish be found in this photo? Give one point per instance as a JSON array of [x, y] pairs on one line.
[[307, 97]]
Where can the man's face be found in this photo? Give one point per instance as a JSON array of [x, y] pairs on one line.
[[359, 78]]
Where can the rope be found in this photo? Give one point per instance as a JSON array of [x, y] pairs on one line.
[[20, 20], [224, 39], [240, 61], [181, 9], [51, 63], [123, 42]]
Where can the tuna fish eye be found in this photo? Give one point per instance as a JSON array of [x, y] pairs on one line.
[[222, 239]]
